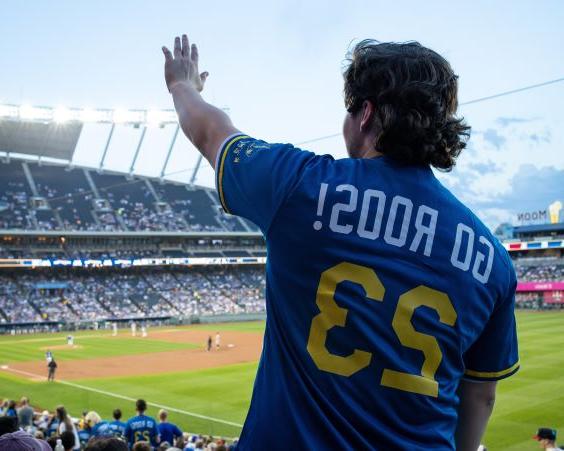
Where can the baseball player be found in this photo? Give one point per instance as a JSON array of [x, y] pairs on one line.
[[209, 343], [48, 356], [114, 329], [217, 341], [388, 300], [133, 329], [70, 340], [51, 367], [143, 330]]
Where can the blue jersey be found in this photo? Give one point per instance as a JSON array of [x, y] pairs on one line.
[[141, 428], [118, 428], [168, 432], [382, 292], [102, 429], [84, 435]]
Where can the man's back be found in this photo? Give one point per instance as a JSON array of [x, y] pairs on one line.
[[141, 428], [168, 432], [382, 291], [25, 416]]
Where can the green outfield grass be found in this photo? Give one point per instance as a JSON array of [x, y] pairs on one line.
[[526, 401], [91, 345]]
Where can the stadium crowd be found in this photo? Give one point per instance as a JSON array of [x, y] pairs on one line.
[[72, 295], [540, 272], [50, 198], [23, 428]]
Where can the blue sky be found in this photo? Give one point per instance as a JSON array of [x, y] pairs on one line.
[[277, 66]]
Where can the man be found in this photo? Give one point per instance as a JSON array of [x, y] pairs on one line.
[[168, 432], [22, 441], [52, 367], [209, 343], [48, 356], [133, 329], [141, 427], [387, 298], [114, 330], [217, 341], [547, 439], [98, 427], [25, 414], [117, 426], [68, 440]]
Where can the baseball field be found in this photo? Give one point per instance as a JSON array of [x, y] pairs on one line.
[[209, 392]]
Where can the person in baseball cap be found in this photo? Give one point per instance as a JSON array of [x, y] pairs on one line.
[[22, 441], [547, 439]]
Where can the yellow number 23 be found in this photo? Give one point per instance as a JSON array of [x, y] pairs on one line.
[[331, 315]]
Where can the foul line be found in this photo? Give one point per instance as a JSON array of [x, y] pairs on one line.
[[127, 398]]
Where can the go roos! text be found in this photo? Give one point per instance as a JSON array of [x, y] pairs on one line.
[[467, 253]]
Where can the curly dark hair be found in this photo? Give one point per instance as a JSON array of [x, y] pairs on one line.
[[414, 92]]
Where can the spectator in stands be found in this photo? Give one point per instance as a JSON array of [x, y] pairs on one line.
[[22, 441], [8, 424], [106, 444], [52, 425], [169, 432], [25, 414], [117, 426], [82, 422], [547, 439], [141, 427], [11, 410], [68, 440], [98, 427], [66, 424]]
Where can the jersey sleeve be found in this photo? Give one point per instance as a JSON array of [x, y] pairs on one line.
[[494, 355], [254, 177], [128, 433]]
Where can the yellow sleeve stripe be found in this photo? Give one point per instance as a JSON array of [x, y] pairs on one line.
[[492, 374], [219, 169]]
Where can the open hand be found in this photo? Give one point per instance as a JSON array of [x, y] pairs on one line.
[[183, 67]]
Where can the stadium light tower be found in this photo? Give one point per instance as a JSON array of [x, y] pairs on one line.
[[170, 150]]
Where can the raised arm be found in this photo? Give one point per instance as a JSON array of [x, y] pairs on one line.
[[203, 124], [476, 405]]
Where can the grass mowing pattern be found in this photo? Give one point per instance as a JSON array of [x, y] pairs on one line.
[[530, 399], [91, 346]]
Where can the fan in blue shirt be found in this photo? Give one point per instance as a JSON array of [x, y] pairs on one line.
[[141, 427], [167, 431], [387, 299], [117, 426]]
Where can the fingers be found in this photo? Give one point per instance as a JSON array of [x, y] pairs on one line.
[[167, 54], [204, 76], [195, 54], [177, 49], [185, 46]]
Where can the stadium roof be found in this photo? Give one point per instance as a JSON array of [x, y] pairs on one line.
[[539, 228], [41, 139], [62, 133]]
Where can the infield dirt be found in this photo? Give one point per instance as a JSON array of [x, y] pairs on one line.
[[236, 347]]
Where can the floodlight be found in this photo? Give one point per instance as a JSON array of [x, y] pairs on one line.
[[89, 115], [158, 117], [62, 114], [8, 111], [121, 116], [34, 113]]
